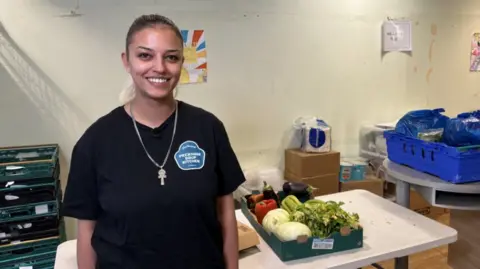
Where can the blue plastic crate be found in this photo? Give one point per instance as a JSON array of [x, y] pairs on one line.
[[451, 164]]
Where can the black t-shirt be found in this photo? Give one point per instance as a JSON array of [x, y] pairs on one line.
[[140, 223]]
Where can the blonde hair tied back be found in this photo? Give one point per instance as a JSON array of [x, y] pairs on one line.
[[128, 92]]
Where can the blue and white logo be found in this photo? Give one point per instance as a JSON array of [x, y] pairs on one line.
[[190, 156]]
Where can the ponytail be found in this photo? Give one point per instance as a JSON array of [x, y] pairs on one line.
[[128, 92]]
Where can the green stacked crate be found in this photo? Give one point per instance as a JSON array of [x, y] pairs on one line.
[[31, 226]]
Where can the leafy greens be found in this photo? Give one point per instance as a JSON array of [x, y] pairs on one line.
[[325, 218]]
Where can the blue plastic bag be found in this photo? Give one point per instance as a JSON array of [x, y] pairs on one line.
[[475, 114], [463, 130], [418, 121]]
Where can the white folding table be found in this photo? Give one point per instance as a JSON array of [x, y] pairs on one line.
[[390, 231]]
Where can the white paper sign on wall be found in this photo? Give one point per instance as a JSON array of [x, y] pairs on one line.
[[397, 36]]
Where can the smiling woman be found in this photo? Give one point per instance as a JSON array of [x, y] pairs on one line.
[[144, 53], [154, 174]]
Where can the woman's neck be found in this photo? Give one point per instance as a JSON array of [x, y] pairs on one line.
[[151, 112]]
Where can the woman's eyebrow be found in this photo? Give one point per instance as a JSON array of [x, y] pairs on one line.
[[149, 49]]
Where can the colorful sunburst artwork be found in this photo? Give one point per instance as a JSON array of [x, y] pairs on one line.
[[195, 51]]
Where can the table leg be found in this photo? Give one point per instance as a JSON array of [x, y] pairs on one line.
[[402, 193], [403, 198]]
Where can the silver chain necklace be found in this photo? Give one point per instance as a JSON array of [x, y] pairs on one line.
[[162, 174]]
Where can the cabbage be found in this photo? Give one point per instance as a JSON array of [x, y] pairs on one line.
[[274, 218], [289, 231]]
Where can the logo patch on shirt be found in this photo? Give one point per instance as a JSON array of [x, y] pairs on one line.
[[190, 156]]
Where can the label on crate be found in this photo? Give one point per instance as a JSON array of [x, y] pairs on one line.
[[322, 243], [41, 209]]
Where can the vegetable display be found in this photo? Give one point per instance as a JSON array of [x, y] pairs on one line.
[[289, 218]]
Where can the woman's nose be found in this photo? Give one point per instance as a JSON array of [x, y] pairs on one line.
[[159, 65]]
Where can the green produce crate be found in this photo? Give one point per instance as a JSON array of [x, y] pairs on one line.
[[15, 252], [27, 162], [25, 212], [39, 261], [305, 247]]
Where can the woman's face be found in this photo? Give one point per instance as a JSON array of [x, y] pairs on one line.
[[155, 61]]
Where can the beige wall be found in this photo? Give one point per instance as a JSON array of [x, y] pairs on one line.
[[21, 123], [307, 57]]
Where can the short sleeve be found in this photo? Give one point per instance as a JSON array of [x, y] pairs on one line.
[[228, 168], [81, 199]]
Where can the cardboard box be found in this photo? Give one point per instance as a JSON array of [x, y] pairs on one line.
[[421, 206], [305, 247], [371, 184], [417, 202], [325, 184], [247, 237], [306, 165]]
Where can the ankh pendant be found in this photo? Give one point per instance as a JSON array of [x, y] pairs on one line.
[[162, 175]]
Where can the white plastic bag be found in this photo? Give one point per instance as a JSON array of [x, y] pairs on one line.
[[252, 182], [255, 179], [272, 176], [315, 134]]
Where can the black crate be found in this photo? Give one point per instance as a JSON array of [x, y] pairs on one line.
[[28, 230]]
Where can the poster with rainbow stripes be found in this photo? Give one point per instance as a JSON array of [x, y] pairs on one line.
[[195, 66]]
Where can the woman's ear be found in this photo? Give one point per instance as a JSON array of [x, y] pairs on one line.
[[125, 62]]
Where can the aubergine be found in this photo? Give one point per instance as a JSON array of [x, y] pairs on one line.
[[269, 193], [298, 189]]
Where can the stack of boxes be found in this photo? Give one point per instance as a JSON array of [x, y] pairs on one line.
[[319, 170], [31, 227], [328, 173]]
